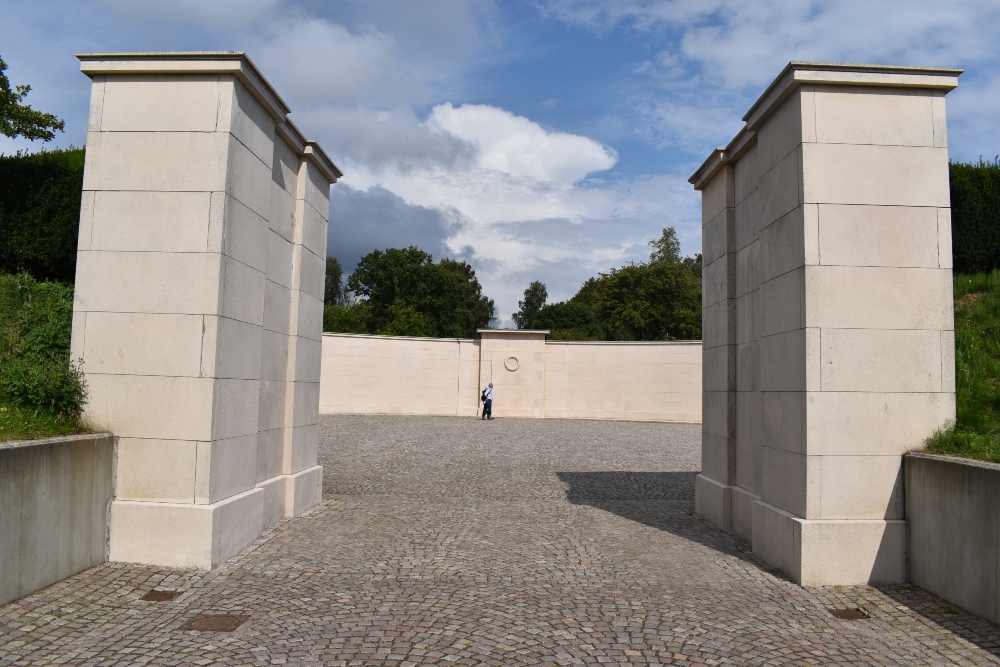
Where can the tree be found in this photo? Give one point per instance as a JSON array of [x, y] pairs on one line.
[[534, 299], [333, 294], [406, 293], [658, 300], [666, 248], [20, 120], [567, 320], [655, 301]]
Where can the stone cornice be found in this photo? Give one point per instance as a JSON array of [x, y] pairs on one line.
[[797, 73], [235, 63]]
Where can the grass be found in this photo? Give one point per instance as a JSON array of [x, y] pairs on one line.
[[976, 433], [22, 424], [41, 391]]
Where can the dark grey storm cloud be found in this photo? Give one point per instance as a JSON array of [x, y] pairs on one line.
[[366, 220]]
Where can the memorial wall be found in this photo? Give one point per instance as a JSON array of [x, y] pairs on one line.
[[532, 377]]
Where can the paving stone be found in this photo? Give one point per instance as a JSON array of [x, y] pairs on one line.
[[452, 541]]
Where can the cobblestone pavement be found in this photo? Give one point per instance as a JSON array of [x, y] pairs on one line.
[[522, 542]]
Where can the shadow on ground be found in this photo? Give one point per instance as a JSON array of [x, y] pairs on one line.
[[665, 501], [966, 625], [661, 500]]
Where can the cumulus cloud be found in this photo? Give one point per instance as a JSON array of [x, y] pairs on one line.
[[517, 146], [518, 171], [531, 202]]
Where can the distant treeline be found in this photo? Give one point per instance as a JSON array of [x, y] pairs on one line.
[[655, 300], [403, 292]]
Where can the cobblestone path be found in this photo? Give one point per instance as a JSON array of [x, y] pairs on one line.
[[522, 542]]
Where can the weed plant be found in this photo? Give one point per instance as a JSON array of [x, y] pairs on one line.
[[976, 433], [42, 391]]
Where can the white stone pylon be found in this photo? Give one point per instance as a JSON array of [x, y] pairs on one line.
[[827, 316], [198, 304]]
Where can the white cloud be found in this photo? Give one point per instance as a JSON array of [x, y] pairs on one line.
[[517, 146], [519, 171], [322, 62], [532, 202]]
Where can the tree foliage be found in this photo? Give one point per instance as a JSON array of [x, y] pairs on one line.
[[333, 293], [534, 300], [20, 120], [656, 300], [567, 320], [403, 292], [975, 216], [40, 213], [667, 248], [659, 300]]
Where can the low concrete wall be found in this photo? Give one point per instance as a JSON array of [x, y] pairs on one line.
[[54, 497], [532, 377], [953, 511]]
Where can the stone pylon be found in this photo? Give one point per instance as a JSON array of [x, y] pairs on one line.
[[828, 318], [199, 294]]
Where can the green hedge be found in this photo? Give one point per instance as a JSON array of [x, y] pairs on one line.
[[36, 373], [975, 216], [40, 213]]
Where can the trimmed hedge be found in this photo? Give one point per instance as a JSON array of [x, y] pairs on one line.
[[975, 216], [40, 213]]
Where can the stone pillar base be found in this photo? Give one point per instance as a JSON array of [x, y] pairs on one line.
[[202, 536], [713, 501], [743, 501], [286, 496], [830, 552], [183, 535]]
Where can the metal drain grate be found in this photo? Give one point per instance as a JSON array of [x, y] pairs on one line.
[[160, 596], [848, 614], [215, 623]]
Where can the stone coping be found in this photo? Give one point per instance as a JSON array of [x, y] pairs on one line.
[[236, 63], [548, 342], [77, 437], [513, 331], [797, 73], [958, 460]]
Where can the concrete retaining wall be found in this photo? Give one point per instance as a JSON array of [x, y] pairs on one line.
[[953, 511], [54, 497], [532, 377]]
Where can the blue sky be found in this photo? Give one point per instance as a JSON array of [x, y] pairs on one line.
[[539, 140]]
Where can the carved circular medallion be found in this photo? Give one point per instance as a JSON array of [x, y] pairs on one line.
[[512, 364]]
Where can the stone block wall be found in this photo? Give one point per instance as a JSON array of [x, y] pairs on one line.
[[533, 377], [828, 325], [198, 305], [623, 380]]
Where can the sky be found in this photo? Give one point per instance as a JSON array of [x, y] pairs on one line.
[[541, 140]]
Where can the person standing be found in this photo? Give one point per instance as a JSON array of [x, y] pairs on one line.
[[488, 404]]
